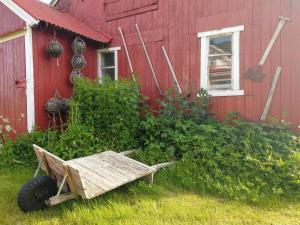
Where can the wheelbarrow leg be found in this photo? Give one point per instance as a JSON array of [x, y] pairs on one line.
[[61, 198], [149, 179]]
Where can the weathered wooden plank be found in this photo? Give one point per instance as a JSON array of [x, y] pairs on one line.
[[103, 168], [77, 178], [122, 168], [103, 173], [61, 198], [271, 94], [94, 178], [131, 162]]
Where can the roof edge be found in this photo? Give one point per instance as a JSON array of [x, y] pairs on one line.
[[29, 19]]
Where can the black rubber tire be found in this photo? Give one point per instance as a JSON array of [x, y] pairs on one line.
[[34, 193]]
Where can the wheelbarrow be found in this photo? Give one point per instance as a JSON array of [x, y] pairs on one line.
[[86, 177]]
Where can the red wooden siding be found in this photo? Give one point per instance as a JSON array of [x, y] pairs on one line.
[[12, 69], [12, 98], [51, 74], [9, 21], [175, 25]]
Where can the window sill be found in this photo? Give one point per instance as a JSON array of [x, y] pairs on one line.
[[226, 93]]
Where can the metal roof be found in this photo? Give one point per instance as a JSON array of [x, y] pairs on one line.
[[61, 19]]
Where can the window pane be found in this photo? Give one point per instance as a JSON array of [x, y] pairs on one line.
[[108, 59], [219, 68], [109, 72], [220, 45]]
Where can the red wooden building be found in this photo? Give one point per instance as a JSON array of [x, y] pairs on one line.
[[210, 43]]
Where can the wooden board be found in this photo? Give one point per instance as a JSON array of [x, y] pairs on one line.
[[106, 171]]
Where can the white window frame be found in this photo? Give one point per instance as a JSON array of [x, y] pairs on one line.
[[204, 36], [115, 50]]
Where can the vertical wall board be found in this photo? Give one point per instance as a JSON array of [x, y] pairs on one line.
[[285, 58], [275, 111]]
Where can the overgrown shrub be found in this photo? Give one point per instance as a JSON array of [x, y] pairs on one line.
[[240, 160], [111, 109]]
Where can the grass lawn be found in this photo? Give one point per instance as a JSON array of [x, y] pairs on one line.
[[139, 203]]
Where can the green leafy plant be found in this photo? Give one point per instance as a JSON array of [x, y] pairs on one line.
[[111, 109]]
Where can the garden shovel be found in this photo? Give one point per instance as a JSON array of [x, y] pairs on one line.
[[257, 74]]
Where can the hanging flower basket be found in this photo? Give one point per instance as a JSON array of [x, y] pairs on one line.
[[55, 49], [78, 46], [57, 106], [52, 105], [64, 106], [74, 75], [78, 62]]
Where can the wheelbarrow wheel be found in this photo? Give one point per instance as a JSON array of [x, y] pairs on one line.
[[35, 192]]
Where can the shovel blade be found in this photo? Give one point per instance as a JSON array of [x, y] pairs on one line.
[[255, 75]]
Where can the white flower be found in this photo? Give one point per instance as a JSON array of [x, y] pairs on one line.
[[8, 128], [5, 120]]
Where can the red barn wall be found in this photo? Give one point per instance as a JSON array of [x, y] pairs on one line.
[[12, 69], [9, 21], [51, 73], [175, 24]]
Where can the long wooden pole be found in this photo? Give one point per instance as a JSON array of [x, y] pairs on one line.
[[129, 59], [171, 70], [271, 94], [126, 50], [149, 59], [280, 26]]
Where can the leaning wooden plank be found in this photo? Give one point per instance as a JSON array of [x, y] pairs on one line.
[[61, 198], [127, 53], [172, 70], [271, 94], [149, 59]]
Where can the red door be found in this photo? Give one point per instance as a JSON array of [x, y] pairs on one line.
[[12, 84]]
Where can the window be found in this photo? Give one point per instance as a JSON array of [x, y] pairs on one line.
[[220, 61], [108, 63]]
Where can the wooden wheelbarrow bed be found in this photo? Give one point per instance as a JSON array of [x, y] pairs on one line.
[[92, 176]]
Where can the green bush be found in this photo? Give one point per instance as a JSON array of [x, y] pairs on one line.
[[240, 160], [111, 109]]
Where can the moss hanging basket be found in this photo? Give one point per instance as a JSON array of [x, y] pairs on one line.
[[57, 105], [64, 106], [78, 46], [78, 62], [55, 49], [52, 106], [74, 75]]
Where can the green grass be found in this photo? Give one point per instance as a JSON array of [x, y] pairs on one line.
[[139, 203]]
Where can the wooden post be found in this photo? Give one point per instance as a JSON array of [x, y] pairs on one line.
[[271, 93], [149, 59], [172, 70]]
